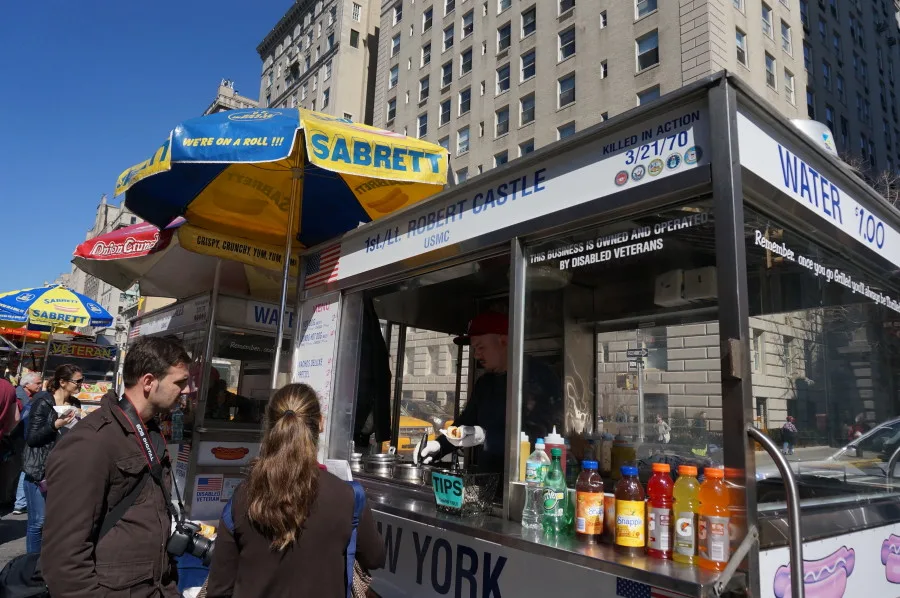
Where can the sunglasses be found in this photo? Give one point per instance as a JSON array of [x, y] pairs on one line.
[[78, 382]]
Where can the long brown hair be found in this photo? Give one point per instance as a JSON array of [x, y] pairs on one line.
[[284, 479]]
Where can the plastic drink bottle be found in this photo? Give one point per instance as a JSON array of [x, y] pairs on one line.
[[713, 546], [685, 507], [737, 506], [589, 503], [524, 453], [538, 464], [555, 440], [659, 512], [631, 513], [555, 498]]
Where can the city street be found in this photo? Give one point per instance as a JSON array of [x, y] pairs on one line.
[[12, 537]]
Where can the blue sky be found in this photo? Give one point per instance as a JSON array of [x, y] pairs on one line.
[[89, 88]]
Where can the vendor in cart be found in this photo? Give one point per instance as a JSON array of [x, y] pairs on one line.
[[482, 423]]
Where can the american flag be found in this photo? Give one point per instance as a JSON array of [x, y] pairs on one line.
[[209, 484], [135, 331], [184, 453], [322, 266], [625, 588]]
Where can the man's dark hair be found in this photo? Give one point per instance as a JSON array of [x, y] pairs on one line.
[[152, 355]]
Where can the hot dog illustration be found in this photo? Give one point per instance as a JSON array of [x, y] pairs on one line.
[[825, 578], [230, 454], [890, 558]]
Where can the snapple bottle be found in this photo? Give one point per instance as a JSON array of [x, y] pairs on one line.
[[659, 512], [589, 503], [631, 511], [712, 528]]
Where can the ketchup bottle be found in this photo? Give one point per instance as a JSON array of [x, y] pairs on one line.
[[659, 512]]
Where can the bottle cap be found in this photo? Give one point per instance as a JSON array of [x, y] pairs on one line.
[[554, 438], [734, 473], [714, 472], [556, 452], [539, 442], [589, 464], [688, 470], [630, 470], [661, 468]]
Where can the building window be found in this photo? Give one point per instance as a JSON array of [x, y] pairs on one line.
[[644, 7], [448, 37], [394, 77], [462, 141], [839, 86], [465, 100], [392, 109], [449, 6], [526, 147], [603, 20], [501, 158], [528, 67], [313, 105], [465, 62], [332, 15], [566, 90], [424, 86], [462, 175], [604, 71], [826, 75], [503, 5], [823, 29], [504, 35], [427, 18], [426, 54], [326, 95], [829, 120], [527, 109], [647, 51], [767, 20], [503, 79], [395, 45], [398, 12], [446, 74], [303, 92], [804, 13], [648, 95], [567, 43], [529, 21], [357, 12], [807, 57], [739, 4], [502, 121], [786, 43], [468, 24], [741, 41], [444, 142], [836, 44], [566, 5], [444, 117], [423, 125], [566, 130], [770, 71], [789, 86], [811, 103]]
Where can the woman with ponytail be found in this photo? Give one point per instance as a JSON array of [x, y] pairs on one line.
[[292, 519]]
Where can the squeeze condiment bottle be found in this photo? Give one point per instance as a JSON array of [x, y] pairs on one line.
[[554, 440], [589, 503], [686, 505], [712, 528], [659, 512], [631, 512]]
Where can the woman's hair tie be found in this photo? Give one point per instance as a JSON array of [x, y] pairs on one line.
[[288, 412]]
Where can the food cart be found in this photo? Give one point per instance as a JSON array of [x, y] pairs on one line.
[[95, 355], [699, 258]]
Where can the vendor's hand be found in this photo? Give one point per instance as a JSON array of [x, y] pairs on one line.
[[65, 420], [427, 454]]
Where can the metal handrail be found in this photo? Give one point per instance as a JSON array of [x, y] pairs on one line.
[[792, 497], [892, 462]]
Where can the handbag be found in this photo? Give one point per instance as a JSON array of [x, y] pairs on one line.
[[358, 579]]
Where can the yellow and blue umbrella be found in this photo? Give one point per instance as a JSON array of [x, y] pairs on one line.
[[239, 172], [54, 306]]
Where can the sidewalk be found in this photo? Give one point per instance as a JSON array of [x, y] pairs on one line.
[[12, 536]]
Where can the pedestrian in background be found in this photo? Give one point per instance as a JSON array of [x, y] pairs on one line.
[[788, 436], [292, 520], [102, 464], [45, 426], [663, 429], [29, 386]]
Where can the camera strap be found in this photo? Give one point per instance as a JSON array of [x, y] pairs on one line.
[[152, 447]]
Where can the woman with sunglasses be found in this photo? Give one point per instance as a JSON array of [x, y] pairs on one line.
[[47, 421]]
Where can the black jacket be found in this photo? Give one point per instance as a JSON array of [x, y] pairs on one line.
[[41, 436]]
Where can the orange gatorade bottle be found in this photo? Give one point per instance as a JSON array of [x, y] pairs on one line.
[[737, 506], [712, 529]]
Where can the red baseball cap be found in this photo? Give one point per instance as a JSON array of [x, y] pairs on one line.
[[488, 322]]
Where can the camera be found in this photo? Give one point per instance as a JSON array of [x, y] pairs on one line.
[[186, 538]]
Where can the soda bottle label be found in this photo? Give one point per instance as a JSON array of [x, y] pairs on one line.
[[630, 516], [685, 534], [589, 513], [553, 502], [658, 529], [532, 472], [712, 537]]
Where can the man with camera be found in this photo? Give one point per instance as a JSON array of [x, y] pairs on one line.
[[108, 512]]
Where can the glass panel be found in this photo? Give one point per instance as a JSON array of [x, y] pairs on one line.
[[625, 315], [829, 366]]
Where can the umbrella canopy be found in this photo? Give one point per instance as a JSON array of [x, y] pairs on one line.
[[237, 172], [179, 261], [54, 306]]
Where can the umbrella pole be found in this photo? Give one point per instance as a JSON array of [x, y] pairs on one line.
[[286, 272]]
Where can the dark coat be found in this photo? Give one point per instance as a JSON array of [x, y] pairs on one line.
[[245, 566], [41, 435], [92, 468]]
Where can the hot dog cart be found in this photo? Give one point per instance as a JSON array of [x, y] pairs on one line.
[[699, 258]]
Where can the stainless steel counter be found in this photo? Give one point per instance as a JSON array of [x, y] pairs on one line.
[[415, 503]]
